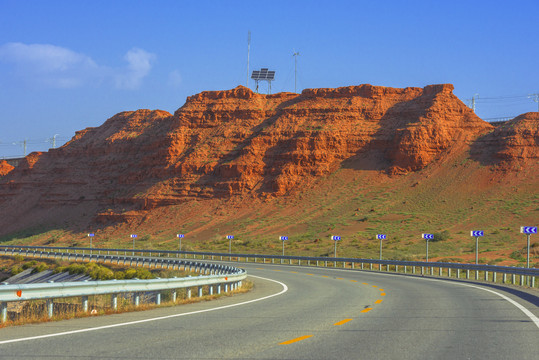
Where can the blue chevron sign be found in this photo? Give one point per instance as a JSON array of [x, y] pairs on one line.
[[528, 229], [91, 234], [336, 238], [180, 235], [427, 236], [230, 237], [381, 237], [477, 233], [283, 238], [133, 235]]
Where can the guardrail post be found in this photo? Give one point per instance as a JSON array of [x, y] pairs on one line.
[[199, 291], [494, 276], [316, 262], [114, 301], [405, 269], [370, 266], [467, 274], [218, 289], [422, 270], [325, 263], [211, 289], [3, 312], [458, 273], [189, 293], [522, 281], [440, 271], [513, 279], [226, 287], [85, 304], [174, 296], [476, 274], [50, 307], [137, 299], [449, 272], [158, 299], [533, 281], [486, 275]]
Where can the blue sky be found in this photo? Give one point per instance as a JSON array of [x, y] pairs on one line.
[[68, 65]]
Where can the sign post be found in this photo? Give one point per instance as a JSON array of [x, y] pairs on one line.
[[427, 237], [283, 239], [528, 230], [133, 236], [335, 238], [381, 237], [476, 234], [91, 235], [230, 237], [180, 237]]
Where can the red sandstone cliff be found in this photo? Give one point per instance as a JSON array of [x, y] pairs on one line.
[[5, 168], [236, 142]]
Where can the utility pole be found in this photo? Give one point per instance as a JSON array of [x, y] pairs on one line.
[[535, 97], [295, 55], [248, 51]]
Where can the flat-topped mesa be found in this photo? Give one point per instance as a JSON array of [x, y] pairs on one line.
[[235, 143], [371, 91]]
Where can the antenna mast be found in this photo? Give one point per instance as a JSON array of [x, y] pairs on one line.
[[295, 55], [248, 51]]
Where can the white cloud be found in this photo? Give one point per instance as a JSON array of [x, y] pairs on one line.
[[57, 67], [174, 78], [139, 65]]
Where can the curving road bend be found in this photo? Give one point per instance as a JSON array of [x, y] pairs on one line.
[[305, 313]]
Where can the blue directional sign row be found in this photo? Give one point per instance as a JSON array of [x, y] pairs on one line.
[[230, 237], [180, 235], [528, 229], [427, 236], [283, 238], [133, 235], [336, 238], [381, 237], [477, 233], [91, 234]]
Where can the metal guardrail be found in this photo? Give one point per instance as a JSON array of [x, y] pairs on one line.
[[228, 276], [307, 260]]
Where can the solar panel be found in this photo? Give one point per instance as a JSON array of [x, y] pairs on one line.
[[271, 75]]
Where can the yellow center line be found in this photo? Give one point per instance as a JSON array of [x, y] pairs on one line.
[[365, 284], [381, 289], [340, 278], [276, 270], [383, 294], [378, 301], [310, 274], [374, 286], [342, 322], [353, 280], [295, 340], [366, 310], [294, 272], [325, 276]]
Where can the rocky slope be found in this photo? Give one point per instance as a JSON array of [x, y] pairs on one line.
[[235, 143]]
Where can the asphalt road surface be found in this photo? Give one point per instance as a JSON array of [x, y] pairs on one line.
[[306, 313]]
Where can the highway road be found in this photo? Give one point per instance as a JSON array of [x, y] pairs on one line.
[[306, 313]]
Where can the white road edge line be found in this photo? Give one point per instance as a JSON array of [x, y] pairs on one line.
[[519, 306], [285, 289]]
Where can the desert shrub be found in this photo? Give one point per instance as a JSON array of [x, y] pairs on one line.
[[441, 236], [29, 264], [40, 267]]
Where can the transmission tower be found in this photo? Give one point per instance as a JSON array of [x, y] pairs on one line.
[[535, 97], [295, 55], [472, 101]]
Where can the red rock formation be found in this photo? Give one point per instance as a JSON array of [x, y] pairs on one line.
[[511, 145], [5, 168], [228, 143]]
